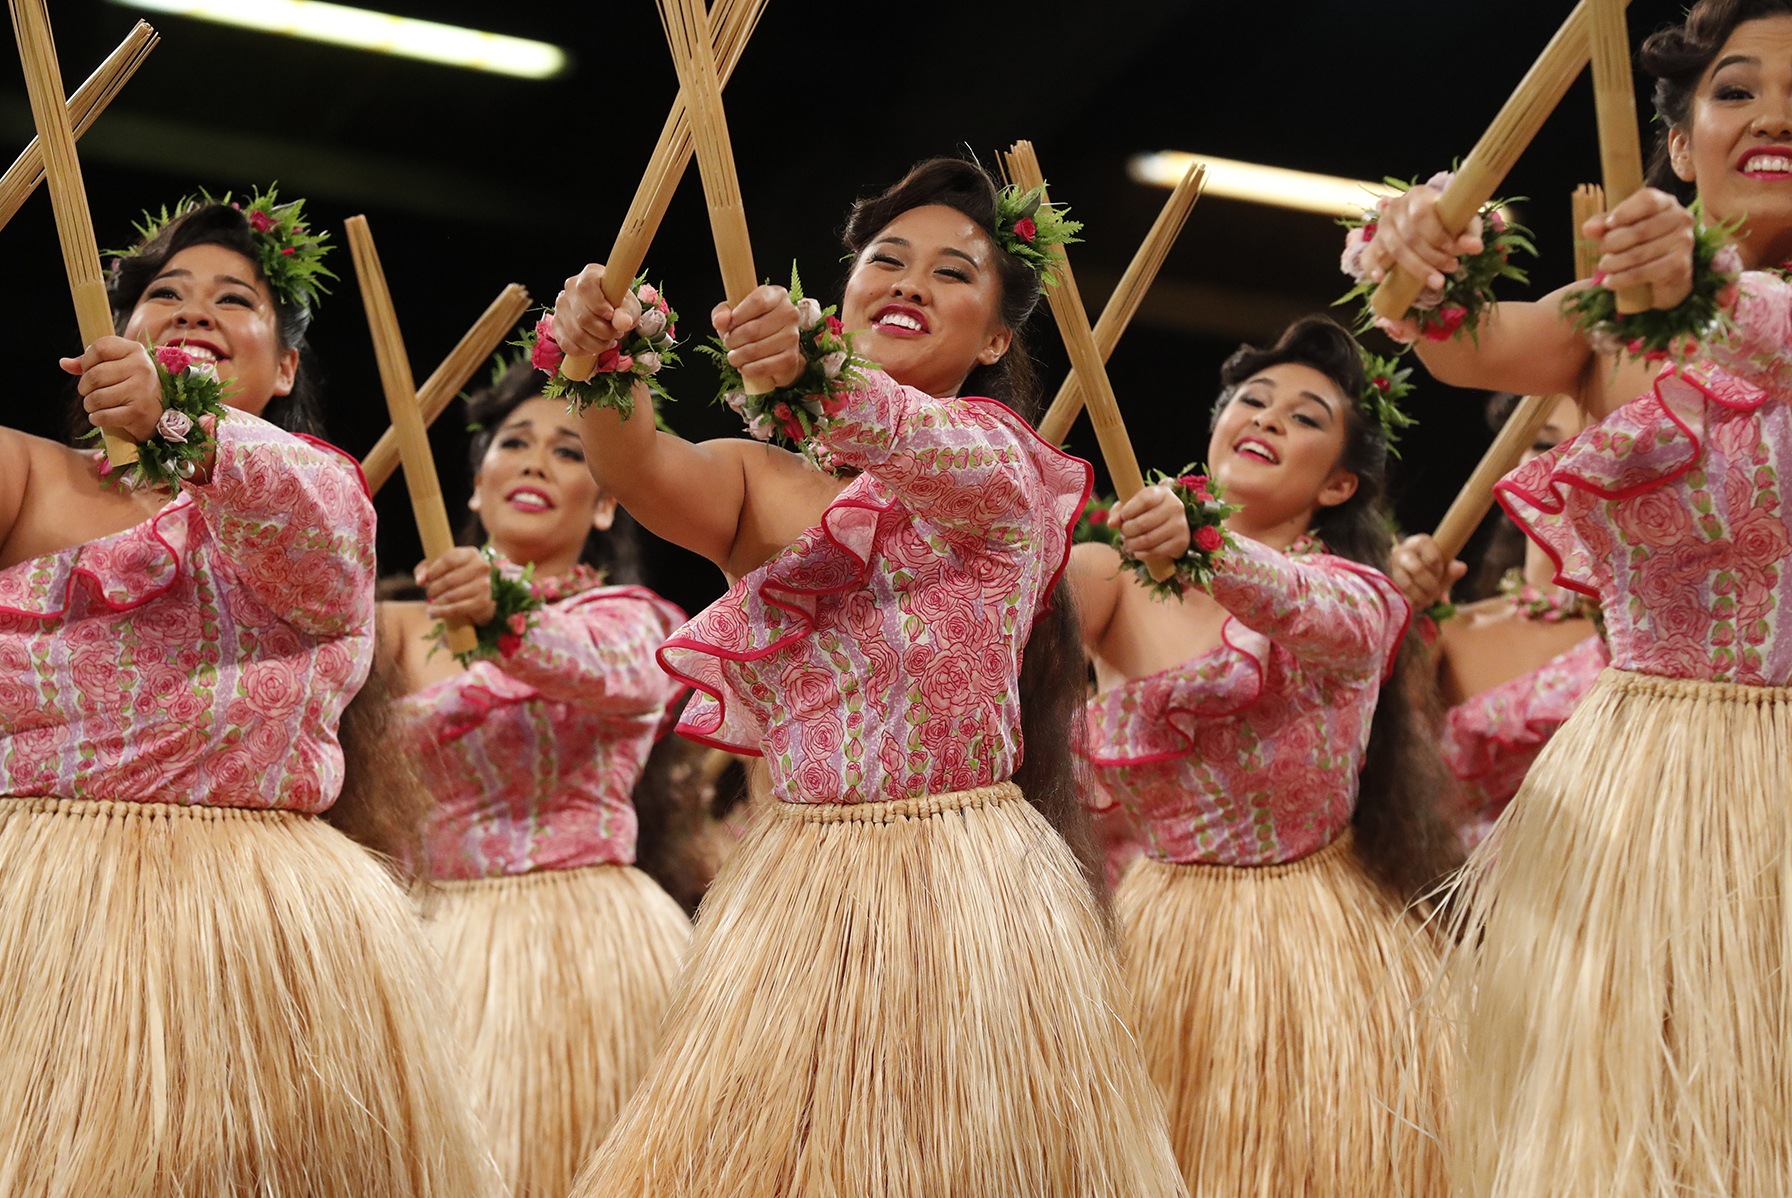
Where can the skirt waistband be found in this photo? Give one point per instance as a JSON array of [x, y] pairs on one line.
[[892, 810], [114, 808], [1631, 682], [1314, 860]]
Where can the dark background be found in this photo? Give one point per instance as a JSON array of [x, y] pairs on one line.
[[472, 180]]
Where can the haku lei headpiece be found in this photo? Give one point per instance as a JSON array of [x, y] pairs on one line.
[[1385, 384], [289, 252], [1031, 229]]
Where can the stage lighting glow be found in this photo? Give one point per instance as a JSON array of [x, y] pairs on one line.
[[1258, 184], [383, 33]]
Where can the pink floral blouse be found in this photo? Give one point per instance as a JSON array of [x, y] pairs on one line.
[[878, 656], [1491, 739], [205, 655], [1248, 754], [1669, 510], [533, 759]]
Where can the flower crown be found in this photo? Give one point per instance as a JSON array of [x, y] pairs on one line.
[[1385, 384], [1031, 229], [290, 255]]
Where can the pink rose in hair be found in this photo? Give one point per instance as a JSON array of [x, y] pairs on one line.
[[261, 222], [173, 358], [1209, 539], [1025, 229], [546, 355]]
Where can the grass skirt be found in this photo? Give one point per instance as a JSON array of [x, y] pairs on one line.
[[1626, 959], [1277, 1010], [209, 1003], [558, 980], [908, 998]]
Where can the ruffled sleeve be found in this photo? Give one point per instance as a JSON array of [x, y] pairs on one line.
[[596, 651], [1321, 609], [293, 524], [970, 465]]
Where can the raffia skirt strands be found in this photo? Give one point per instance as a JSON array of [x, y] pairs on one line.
[[1625, 963], [213, 1003], [1278, 1007], [907, 998], [559, 981]]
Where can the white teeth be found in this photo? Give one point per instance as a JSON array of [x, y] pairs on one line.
[[532, 502], [901, 321], [198, 353], [1770, 162]]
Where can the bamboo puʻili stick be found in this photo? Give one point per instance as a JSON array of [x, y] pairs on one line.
[[731, 24], [687, 32], [89, 100], [1086, 359], [68, 195], [1614, 102], [1493, 157], [1521, 427], [440, 388], [407, 417], [1054, 426]]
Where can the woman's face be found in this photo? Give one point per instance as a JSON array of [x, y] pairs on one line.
[[532, 490], [212, 302], [1737, 146], [928, 298], [1277, 444]]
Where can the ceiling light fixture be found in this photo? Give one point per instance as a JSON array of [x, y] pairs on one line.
[[1258, 184], [383, 33]]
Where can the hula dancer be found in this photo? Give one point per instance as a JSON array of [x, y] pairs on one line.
[[560, 955], [207, 990], [1625, 967], [1262, 738], [900, 985]]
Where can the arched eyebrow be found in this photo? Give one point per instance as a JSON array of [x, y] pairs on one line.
[[950, 250], [525, 422], [1735, 60], [187, 274], [1321, 400]]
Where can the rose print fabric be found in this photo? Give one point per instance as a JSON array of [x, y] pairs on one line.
[[878, 656], [1669, 511], [205, 655], [1248, 754], [533, 759], [1491, 739]]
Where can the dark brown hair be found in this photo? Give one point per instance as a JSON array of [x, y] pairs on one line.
[[222, 225], [1051, 691], [1678, 57], [1401, 833]]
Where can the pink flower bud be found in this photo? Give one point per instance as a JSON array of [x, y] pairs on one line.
[[546, 356], [651, 324], [1209, 539], [808, 314]]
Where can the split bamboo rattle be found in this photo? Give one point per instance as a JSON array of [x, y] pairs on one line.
[[407, 416], [1620, 147], [440, 388], [68, 195], [687, 32], [1494, 155], [1086, 360], [89, 100], [732, 23]]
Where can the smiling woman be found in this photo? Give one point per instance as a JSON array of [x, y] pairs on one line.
[[232, 993], [1624, 960]]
